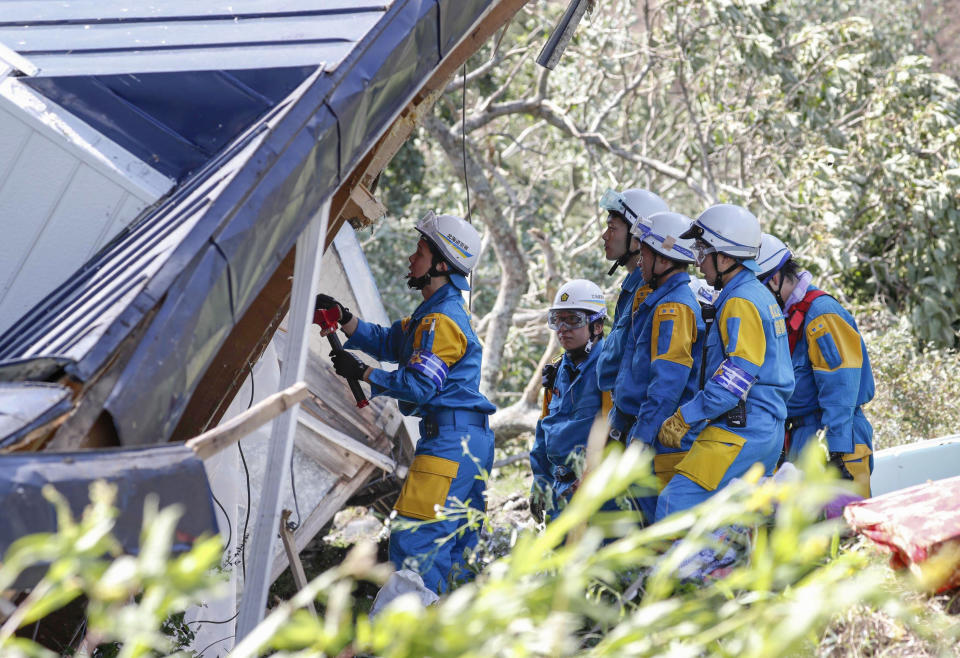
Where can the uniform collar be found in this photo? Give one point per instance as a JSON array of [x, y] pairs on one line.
[[741, 277], [632, 281], [677, 280]]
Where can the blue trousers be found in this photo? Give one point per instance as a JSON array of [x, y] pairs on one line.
[[435, 548]]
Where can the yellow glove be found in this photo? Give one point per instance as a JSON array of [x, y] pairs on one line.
[[673, 430]]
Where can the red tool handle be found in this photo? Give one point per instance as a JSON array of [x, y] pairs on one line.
[[330, 319]]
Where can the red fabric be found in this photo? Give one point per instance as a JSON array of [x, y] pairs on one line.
[[914, 524], [798, 312]]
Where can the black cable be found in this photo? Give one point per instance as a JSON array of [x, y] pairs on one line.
[[296, 504], [222, 639], [463, 139], [466, 182], [226, 516], [246, 472]]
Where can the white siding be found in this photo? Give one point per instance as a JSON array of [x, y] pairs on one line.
[[65, 191]]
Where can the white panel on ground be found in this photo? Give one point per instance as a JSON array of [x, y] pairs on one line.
[[915, 463], [228, 481]]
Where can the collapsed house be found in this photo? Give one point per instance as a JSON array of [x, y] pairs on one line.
[[158, 165]]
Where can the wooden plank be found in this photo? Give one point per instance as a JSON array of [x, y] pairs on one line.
[[281, 440], [328, 455], [381, 461], [210, 443], [293, 556]]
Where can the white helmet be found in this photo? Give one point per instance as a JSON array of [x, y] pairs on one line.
[[702, 290], [634, 205], [731, 230], [457, 241], [664, 236], [773, 255], [581, 295]]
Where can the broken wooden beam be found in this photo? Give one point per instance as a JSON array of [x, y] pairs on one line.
[[381, 461], [213, 441]]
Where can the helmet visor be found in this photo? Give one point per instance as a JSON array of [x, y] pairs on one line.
[[566, 319], [613, 201]]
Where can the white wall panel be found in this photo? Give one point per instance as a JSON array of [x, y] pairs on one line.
[[65, 191], [27, 197], [89, 204]]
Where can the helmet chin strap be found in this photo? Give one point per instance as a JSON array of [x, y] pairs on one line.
[[718, 279], [582, 352], [421, 282], [654, 281], [778, 293]]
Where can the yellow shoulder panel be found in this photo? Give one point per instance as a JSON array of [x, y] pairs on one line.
[[829, 332], [683, 333], [640, 295], [449, 342], [750, 341]]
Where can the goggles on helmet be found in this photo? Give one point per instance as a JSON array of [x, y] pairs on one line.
[[613, 201], [570, 319]]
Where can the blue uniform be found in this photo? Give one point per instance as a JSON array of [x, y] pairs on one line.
[[833, 380], [562, 432], [749, 356], [609, 363], [627, 393], [665, 366], [438, 380]]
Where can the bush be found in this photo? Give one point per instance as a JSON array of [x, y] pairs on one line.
[[916, 389]]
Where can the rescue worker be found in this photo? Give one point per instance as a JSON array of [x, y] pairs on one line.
[[627, 221], [438, 379], [666, 360], [738, 416], [571, 399], [830, 365]]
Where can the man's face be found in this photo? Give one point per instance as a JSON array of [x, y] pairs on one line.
[[647, 258], [572, 339], [420, 260], [615, 237]]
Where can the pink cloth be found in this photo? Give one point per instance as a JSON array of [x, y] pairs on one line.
[[914, 524]]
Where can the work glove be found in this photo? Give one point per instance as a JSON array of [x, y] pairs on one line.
[[324, 302], [347, 365], [673, 430], [836, 460], [536, 507]]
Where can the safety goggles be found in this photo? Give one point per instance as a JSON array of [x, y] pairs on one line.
[[558, 320], [613, 201], [701, 249]]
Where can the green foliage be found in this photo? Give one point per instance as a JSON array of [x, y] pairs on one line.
[[916, 390], [825, 119], [132, 600], [589, 584], [563, 593]]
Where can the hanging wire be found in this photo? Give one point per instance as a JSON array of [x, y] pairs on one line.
[[466, 181]]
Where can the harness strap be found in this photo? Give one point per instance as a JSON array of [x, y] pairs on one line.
[[798, 313]]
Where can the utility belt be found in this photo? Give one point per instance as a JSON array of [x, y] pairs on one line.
[[430, 425], [810, 418], [620, 424]]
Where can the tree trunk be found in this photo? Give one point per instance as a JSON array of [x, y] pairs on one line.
[[506, 247]]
